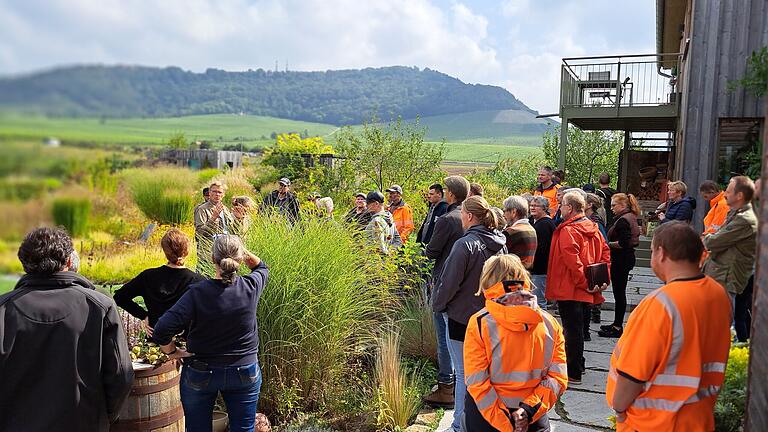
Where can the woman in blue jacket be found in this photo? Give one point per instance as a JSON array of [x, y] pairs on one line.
[[222, 341], [679, 206]]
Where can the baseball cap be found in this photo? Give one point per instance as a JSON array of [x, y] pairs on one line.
[[284, 181], [360, 194], [395, 188], [374, 196]]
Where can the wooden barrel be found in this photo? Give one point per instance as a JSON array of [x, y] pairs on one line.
[[154, 403]]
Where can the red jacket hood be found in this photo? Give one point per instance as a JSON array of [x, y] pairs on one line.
[[582, 224]]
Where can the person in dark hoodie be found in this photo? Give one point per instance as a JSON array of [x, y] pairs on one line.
[[576, 243], [437, 208], [64, 359], [447, 230], [679, 207], [455, 294]]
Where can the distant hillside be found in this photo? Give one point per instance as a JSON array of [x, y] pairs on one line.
[[500, 126], [332, 97]]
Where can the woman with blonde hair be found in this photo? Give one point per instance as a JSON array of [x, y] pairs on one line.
[[680, 206], [160, 287], [223, 341], [454, 295], [623, 238], [514, 354]]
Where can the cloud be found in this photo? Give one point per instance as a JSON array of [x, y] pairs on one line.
[[516, 44]]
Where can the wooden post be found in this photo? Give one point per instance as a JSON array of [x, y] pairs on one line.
[[757, 389]]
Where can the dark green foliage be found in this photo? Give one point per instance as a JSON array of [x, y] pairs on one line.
[[588, 153], [72, 214], [336, 97], [756, 78], [732, 401]]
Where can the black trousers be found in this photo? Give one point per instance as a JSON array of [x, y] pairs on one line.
[[621, 264], [743, 313], [572, 314], [475, 422]]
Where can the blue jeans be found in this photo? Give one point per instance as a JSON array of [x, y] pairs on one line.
[[456, 349], [239, 386], [444, 363], [540, 289]]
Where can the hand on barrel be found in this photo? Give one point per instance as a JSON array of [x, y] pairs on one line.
[[147, 328]]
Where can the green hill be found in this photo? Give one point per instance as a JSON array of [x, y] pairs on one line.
[[334, 97], [487, 127]]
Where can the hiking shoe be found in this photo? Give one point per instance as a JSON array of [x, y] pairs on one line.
[[606, 326], [612, 332], [441, 397]]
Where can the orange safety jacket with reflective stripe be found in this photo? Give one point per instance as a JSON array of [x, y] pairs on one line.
[[514, 356], [550, 194], [403, 217], [676, 342]]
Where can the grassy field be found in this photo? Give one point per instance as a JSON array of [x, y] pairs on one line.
[[254, 131], [220, 129], [487, 127]]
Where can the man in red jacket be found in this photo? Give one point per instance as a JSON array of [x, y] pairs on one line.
[[576, 243]]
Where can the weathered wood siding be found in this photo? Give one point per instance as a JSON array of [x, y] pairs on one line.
[[757, 404], [723, 34]]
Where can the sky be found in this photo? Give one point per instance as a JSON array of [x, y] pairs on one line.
[[515, 44]]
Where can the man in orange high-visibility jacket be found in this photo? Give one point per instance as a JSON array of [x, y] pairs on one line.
[[514, 355], [547, 188], [402, 213], [668, 366], [718, 207]]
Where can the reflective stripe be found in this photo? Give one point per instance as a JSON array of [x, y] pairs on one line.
[[552, 384], [496, 358], [713, 367], [677, 380], [703, 393], [617, 351], [488, 400], [674, 406], [560, 368], [678, 331], [476, 378], [549, 342], [612, 373], [509, 401], [516, 376]]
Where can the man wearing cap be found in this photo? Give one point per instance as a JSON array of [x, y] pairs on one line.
[[282, 201], [402, 213], [381, 229], [358, 215]]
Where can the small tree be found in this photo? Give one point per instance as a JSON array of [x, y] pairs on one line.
[[587, 154], [383, 154], [291, 153], [178, 141]]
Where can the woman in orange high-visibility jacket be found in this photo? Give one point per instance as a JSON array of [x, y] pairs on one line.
[[514, 354]]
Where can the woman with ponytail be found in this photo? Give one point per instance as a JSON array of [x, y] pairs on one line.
[[160, 287], [454, 295], [623, 238], [223, 342]]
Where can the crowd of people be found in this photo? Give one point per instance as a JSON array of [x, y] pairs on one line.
[[500, 276]]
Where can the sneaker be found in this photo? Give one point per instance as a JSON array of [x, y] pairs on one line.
[[606, 326], [612, 332]]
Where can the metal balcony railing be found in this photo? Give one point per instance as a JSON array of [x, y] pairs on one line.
[[619, 81]]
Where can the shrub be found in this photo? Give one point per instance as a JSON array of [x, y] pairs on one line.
[[72, 213], [513, 176], [397, 396], [323, 306], [732, 401], [25, 189], [163, 194]]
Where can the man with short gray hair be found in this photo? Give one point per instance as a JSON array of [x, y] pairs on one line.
[[61, 341], [544, 227], [521, 237]]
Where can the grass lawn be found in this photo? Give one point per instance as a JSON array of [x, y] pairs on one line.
[[474, 152]]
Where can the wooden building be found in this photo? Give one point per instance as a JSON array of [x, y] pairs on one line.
[[201, 159], [699, 127]]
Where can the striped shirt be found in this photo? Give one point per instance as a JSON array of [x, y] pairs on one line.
[[521, 241]]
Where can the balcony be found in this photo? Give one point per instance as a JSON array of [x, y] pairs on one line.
[[632, 93]]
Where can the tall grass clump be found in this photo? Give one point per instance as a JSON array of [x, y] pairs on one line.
[[417, 327], [323, 306], [72, 213], [397, 401], [163, 195]]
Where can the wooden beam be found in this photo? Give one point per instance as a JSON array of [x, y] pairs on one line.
[[757, 389]]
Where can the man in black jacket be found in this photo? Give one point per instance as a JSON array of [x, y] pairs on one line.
[[64, 359], [282, 201], [447, 230], [437, 208]]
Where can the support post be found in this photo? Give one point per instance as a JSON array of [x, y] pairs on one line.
[[623, 181], [757, 387], [563, 142]]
